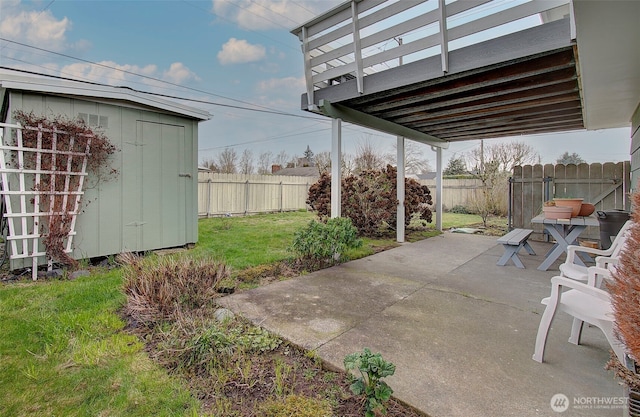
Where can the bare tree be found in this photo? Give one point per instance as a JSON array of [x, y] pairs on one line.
[[504, 156], [414, 160], [323, 161], [246, 162], [210, 164], [227, 161], [368, 157], [493, 164], [282, 159], [264, 162]]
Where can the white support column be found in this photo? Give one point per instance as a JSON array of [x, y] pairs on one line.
[[438, 151], [336, 167], [400, 191]]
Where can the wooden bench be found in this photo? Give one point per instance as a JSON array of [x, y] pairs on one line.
[[513, 242]]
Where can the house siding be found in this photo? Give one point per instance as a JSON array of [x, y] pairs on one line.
[[635, 148]]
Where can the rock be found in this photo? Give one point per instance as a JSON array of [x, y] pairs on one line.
[[54, 273], [223, 314], [78, 274]]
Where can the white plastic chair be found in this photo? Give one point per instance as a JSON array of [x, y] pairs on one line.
[[605, 258], [586, 303]]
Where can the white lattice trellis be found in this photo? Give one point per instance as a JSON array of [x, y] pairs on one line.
[[23, 169]]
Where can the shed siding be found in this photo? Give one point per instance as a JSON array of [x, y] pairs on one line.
[[150, 205], [635, 148]]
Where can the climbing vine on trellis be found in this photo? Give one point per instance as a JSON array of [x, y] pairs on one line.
[[63, 151]]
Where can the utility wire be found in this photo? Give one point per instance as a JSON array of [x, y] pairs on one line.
[[136, 74]]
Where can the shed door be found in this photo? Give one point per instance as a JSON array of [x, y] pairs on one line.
[[160, 181]]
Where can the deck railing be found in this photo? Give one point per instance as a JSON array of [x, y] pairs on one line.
[[362, 37]]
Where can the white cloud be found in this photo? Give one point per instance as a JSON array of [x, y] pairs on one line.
[[40, 29], [239, 51], [178, 73], [270, 14], [295, 84], [108, 72]]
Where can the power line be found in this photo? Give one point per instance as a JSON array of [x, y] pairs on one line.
[[134, 74], [213, 103]]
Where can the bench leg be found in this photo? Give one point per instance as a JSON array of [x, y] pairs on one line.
[[529, 249], [511, 252]]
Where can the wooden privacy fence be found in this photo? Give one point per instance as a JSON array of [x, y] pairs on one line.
[[606, 186], [455, 192], [224, 194]]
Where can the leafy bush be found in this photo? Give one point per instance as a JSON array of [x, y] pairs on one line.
[[460, 209], [372, 369], [168, 288], [295, 405], [369, 199], [322, 241]]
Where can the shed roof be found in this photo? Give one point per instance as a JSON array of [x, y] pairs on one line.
[[24, 81]]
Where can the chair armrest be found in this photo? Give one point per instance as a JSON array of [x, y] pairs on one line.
[[606, 261], [558, 282], [572, 249]]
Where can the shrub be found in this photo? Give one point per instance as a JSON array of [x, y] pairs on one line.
[[295, 405], [459, 209], [369, 199], [322, 241], [625, 290], [168, 288]]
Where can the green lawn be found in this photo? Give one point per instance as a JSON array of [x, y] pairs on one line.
[[63, 351]]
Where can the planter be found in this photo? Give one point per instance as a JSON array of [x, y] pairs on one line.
[[555, 212], [587, 209], [574, 203]]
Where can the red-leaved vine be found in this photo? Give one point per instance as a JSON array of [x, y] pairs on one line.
[[60, 136]]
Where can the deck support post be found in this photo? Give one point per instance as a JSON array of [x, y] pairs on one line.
[[336, 167]]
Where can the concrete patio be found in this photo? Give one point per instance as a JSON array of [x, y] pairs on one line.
[[459, 328]]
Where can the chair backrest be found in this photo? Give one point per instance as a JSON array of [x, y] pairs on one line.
[[620, 240]]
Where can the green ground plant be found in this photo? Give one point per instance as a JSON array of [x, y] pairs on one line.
[[371, 368]]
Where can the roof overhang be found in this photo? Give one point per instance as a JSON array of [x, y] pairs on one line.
[[13, 80], [608, 44]]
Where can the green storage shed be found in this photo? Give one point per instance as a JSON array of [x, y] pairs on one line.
[[152, 203]]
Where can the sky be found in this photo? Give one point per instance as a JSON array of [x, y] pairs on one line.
[[230, 56]]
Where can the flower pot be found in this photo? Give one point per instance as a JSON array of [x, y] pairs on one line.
[[574, 203], [555, 212], [587, 209]]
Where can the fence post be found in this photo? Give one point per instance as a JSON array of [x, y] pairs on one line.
[[246, 197], [510, 204], [281, 197], [209, 197]]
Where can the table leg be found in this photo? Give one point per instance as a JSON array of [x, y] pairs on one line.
[[562, 241]]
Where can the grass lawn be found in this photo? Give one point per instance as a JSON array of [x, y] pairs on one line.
[[65, 351]]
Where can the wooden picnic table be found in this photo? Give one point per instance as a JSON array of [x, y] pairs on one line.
[[565, 232]]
